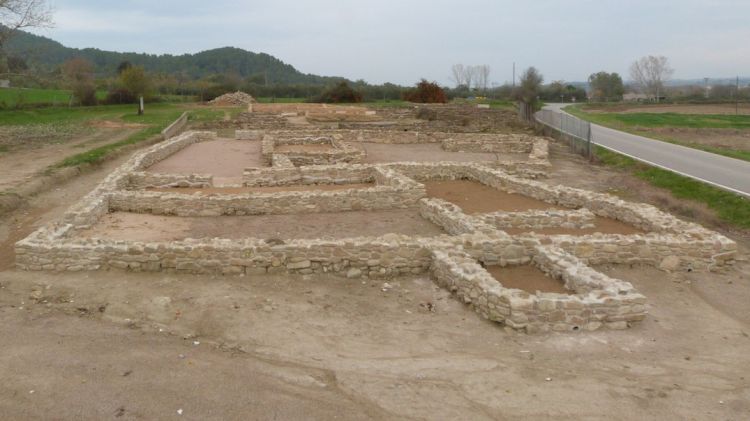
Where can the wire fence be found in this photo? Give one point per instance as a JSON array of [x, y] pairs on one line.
[[576, 131]]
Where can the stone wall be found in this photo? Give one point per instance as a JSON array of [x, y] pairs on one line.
[[452, 259], [595, 299], [176, 127], [340, 152], [144, 180], [540, 219]]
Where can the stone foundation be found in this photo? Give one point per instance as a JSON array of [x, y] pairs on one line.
[[454, 260]]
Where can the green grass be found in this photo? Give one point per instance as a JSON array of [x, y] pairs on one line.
[[15, 97], [634, 123], [729, 207], [157, 119]]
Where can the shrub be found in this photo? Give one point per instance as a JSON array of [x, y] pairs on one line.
[[341, 93], [426, 92], [424, 113], [85, 93], [120, 96]]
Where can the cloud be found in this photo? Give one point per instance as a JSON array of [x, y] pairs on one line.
[[401, 41]]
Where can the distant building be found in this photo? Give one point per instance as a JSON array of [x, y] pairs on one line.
[[4, 83]]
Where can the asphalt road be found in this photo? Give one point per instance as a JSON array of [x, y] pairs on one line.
[[727, 173]]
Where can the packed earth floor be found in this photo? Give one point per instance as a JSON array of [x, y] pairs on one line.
[[156, 345]]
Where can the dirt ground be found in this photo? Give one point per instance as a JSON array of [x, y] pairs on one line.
[[720, 138], [145, 346], [224, 158], [146, 227], [725, 109], [24, 163], [428, 152], [527, 278], [474, 197]]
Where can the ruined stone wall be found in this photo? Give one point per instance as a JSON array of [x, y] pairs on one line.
[[540, 219], [595, 300], [144, 180], [329, 174]]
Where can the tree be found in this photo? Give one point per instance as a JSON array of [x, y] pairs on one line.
[[482, 76], [458, 74], [529, 86], [650, 73], [19, 14], [78, 74], [124, 65], [135, 80], [340, 93], [606, 86], [426, 92]]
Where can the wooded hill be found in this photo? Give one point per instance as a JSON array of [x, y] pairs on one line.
[[46, 54]]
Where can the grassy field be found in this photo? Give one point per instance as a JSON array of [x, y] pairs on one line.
[[729, 207], [15, 97], [155, 119], [646, 124]]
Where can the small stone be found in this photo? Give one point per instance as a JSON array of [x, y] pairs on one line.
[[353, 273]]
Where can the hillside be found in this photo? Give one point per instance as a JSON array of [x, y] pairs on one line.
[[45, 53]]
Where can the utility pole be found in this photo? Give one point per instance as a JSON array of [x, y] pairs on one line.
[[514, 75], [705, 79], [737, 97]]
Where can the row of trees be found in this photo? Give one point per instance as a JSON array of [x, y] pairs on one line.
[[471, 77]]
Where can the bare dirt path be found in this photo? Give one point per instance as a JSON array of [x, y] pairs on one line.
[[19, 166]]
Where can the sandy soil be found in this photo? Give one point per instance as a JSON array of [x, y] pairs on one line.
[[427, 152], [474, 197], [22, 165], [527, 278], [303, 148], [145, 227], [224, 158], [110, 344], [239, 190], [727, 109]]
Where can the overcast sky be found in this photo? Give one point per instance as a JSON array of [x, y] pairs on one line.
[[403, 40]]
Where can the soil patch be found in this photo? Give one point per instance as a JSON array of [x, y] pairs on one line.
[[303, 148], [211, 191], [27, 162], [528, 278], [719, 138], [145, 227], [428, 152], [225, 159], [474, 197], [723, 109], [109, 124]]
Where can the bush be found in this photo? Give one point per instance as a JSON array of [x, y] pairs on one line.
[[424, 113], [341, 93], [120, 96], [426, 92], [85, 93]]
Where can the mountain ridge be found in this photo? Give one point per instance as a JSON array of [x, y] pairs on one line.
[[46, 53]]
